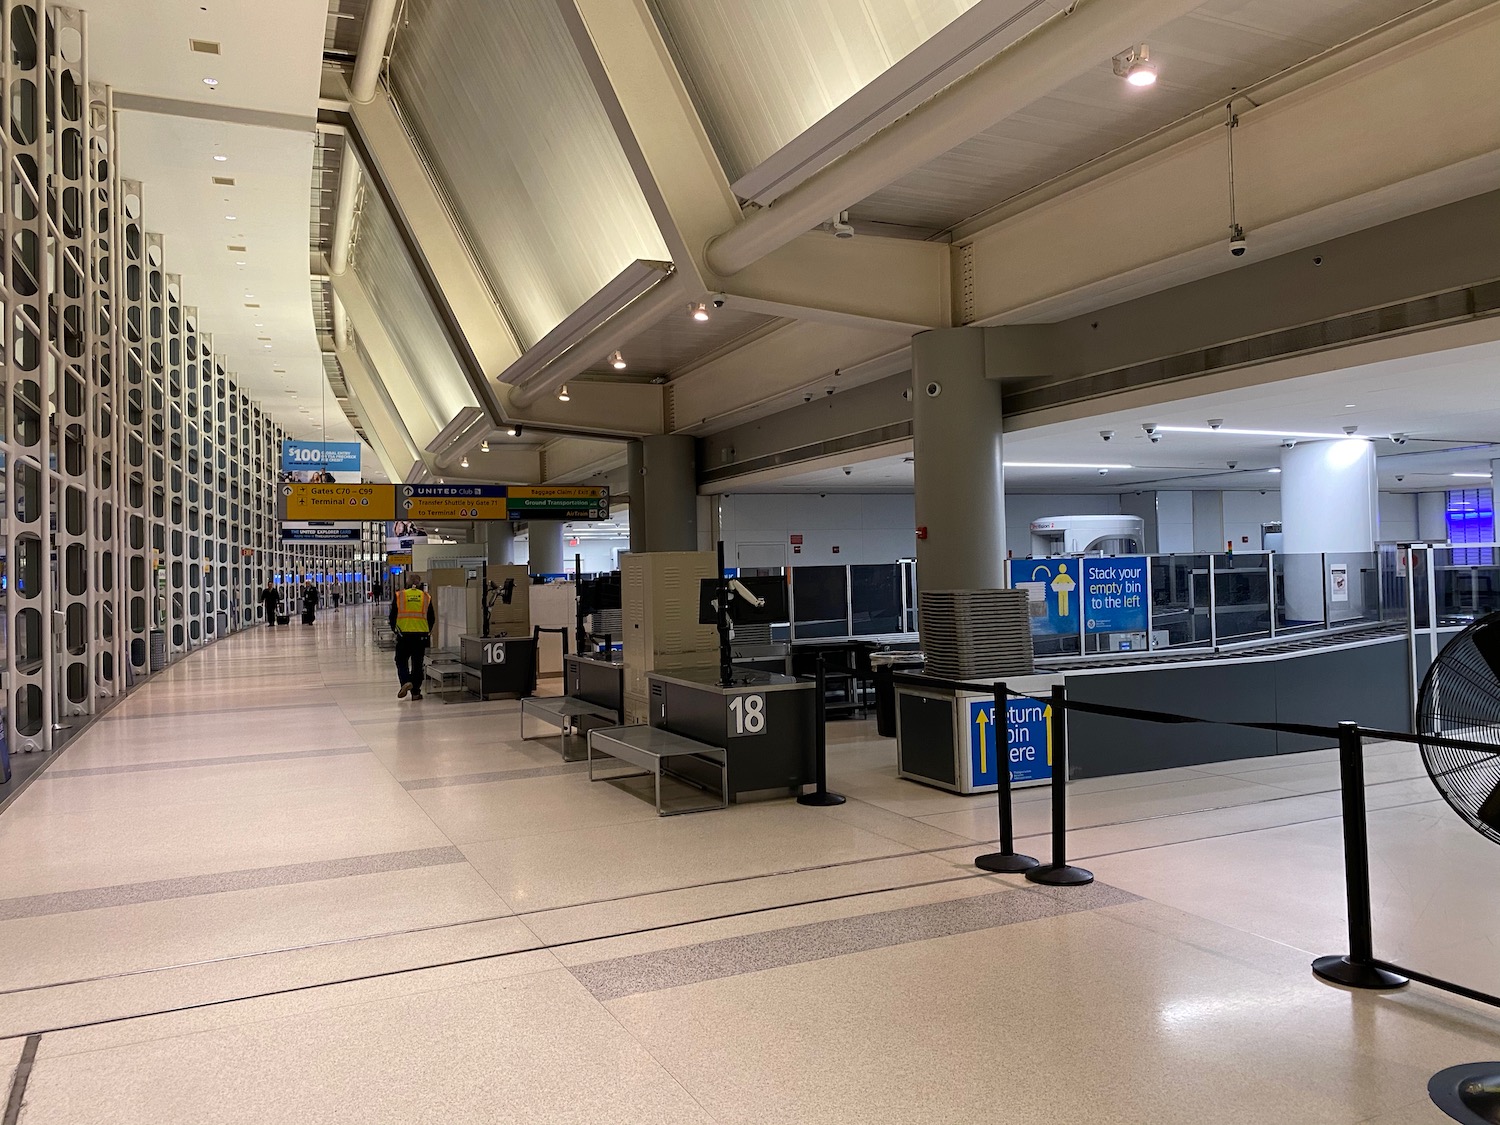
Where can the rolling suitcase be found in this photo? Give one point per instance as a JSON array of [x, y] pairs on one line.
[[283, 619], [307, 617]]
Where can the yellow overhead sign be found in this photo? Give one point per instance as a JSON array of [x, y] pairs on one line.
[[338, 501]]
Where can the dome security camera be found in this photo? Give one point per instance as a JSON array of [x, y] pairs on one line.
[[1351, 430], [718, 302], [934, 389], [1106, 435], [1400, 479], [1150, 428], [848, 471], [1288, 443], [1232, 464], [906, 394], [1399, 439], [807, 396], [1237, 244], [1215, 423]]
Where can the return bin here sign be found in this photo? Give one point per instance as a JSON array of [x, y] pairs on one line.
[[1027, 741]]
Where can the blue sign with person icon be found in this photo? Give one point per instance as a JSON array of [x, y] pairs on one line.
[[1052, 585]]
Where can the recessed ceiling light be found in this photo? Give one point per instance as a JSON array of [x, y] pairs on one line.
[[231, 218], [220, 157], [268, 345], [239, 263], [1348, 406], [1059, 465], [210, 81], [1475, 476]]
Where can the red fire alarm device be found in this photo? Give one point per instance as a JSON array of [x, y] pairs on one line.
[[796, 540], [921, 533]]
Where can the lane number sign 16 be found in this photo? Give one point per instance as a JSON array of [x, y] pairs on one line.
[[748, 713], [494, 652]]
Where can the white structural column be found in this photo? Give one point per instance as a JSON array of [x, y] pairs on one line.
[[959, 468], [1432, 517], [1330, 518], [545, 540], [500, 542], [663, 486]]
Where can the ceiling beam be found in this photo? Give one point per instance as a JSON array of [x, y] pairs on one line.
[[1414, 127], [388, 437], [776, 369], [1061, 48], [659, 129]]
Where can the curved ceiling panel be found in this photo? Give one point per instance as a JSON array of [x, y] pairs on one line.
[[764, 71], [406, 312], [524, 152]]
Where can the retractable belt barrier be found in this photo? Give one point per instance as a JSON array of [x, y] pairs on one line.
[[1359, 968]]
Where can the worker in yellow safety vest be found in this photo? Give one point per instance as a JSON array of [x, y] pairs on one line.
[[413, 619]]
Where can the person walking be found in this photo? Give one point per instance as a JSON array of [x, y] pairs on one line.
[[270, 600], [309, 603], [413, 618]]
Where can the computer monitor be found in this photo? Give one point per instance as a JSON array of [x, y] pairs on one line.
[[771, 590]]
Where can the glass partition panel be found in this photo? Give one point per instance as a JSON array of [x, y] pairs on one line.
[[875, 599], [1467, 584], [820, 601], [1179, 601], [1353, 584], [1301, 593], [1242, 596]]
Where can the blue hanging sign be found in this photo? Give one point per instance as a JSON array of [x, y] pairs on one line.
[[1052, 585], [1028, 741], [1116, 595]]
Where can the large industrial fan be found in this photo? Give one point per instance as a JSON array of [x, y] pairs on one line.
[[1460, 699]]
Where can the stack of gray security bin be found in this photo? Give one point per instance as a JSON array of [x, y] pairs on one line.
[[976, 634]]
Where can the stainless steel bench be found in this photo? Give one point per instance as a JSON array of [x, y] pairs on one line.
[[651, 748], [563, 712]]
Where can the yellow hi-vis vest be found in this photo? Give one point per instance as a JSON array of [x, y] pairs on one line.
[[411, 611]]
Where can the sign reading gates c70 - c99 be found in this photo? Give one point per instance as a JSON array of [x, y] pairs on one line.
[[338, 502]]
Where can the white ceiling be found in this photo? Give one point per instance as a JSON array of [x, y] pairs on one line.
[[260, 116], [1444, 402]]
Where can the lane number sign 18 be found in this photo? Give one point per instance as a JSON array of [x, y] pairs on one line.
[[748, 713]]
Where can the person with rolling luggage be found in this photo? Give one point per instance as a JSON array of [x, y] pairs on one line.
[[412, 619], [270, 600], [309, 604]]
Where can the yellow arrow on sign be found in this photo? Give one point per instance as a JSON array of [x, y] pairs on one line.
[[982, 719]]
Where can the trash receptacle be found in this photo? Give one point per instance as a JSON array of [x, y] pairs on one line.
[[884, 665], [158, 649]]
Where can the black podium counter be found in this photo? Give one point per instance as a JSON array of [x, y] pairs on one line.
[[498, 667], [597, 678], [765, 722]]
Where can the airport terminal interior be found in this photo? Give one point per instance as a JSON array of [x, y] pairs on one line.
[[730, 562]]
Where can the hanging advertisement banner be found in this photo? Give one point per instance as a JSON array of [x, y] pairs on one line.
[[322, 462], [319, 534]]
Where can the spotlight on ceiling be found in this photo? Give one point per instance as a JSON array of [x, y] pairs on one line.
[[484, 446], [1135, 66], [617, 361], [515, 431], [220, 157], [699, 311], [562, 393], [465, 462], [210, 81]]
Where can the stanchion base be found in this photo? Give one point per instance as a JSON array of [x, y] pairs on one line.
[[824, 799], [1055, 875], [1469, 1093], [1006, 863], [1338, 969]]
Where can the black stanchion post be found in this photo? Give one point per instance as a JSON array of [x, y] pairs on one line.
[[1005, 861], [1058, 873], [820, 796], [1356, 969]]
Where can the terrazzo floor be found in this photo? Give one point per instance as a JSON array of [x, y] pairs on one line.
[[263, 889]]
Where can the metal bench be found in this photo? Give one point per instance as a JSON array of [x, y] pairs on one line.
[[446, 672], [563, 712], [651, 748]]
